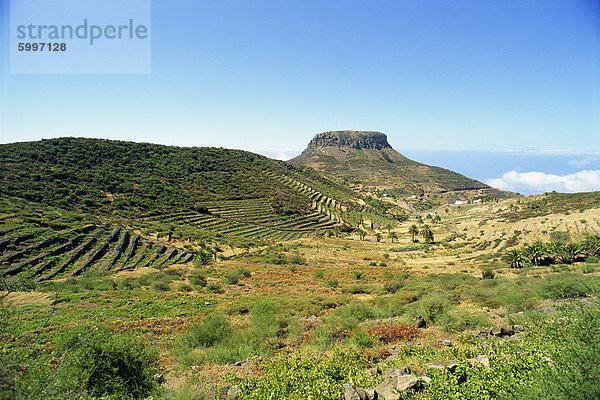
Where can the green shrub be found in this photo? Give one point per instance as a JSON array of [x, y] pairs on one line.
[[161, 286], [362, 339], [198, 280], [488, 273], [359, 289], [592, 260], [333, 283], [458, 322], [244, 272], [431, 306], [352, 314], [393, 286], [184, 288], [565, 286], [588, 268], [212, 330], [101, 363], [214, 288], [357, 275], [575, 359], [319, 275], [299, 375], [232, 278]]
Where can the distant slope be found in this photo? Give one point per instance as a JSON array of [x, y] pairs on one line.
[[114, 176], [368, 159], [196, 195]]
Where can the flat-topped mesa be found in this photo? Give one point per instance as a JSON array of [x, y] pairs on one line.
[[352, 139]]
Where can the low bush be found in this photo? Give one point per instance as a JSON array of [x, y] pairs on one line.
[[214, 288], [333, 283], [357, 275], [198, 280], [564, 286], [100, 363], [431, 306]]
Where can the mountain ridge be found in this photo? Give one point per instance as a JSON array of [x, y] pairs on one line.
[[367, 158]]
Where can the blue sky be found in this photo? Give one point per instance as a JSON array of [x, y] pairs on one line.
[[266, 76]]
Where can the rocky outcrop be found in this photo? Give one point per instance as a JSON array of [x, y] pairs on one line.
[[352, 139]]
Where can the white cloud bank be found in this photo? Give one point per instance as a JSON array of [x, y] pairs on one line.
[[283, 157], [540, 182]]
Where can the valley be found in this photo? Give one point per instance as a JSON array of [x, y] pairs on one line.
[[207, 273]]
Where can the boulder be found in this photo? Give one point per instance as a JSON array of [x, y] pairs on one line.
[[496, 331], [234, 392], [394, 372], [390, 388], [420, 321], [350, 392], [481, 359], [442, 365], [371, 394]]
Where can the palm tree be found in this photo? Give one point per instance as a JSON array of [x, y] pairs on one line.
[[389, 227], [413, 230], [427, 234], [514, 258], [362, 233], [570, 253], [393, 236], [592, 246], [553, 251], [535, 253], [378, 237]]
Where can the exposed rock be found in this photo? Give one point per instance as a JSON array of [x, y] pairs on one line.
[[420, 321], [159, 378], [441, 365], [496, 331], [374, 371], [481, 359], [371, 394], [394, 372], [237, 364], [390, 388], [234, 392], [506, 331], [350, 392], [447, 342], [352, 139]]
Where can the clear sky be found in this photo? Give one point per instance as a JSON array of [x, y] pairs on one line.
[[266, 76]]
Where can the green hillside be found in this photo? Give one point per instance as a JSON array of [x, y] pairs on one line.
[[196, 196], [124, 177]]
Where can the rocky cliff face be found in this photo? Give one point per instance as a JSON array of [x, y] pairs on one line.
[[367, 158], [352, 139]]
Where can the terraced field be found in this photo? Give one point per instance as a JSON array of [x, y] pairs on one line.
[[320, 202], [251, 219], [40, 254]]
